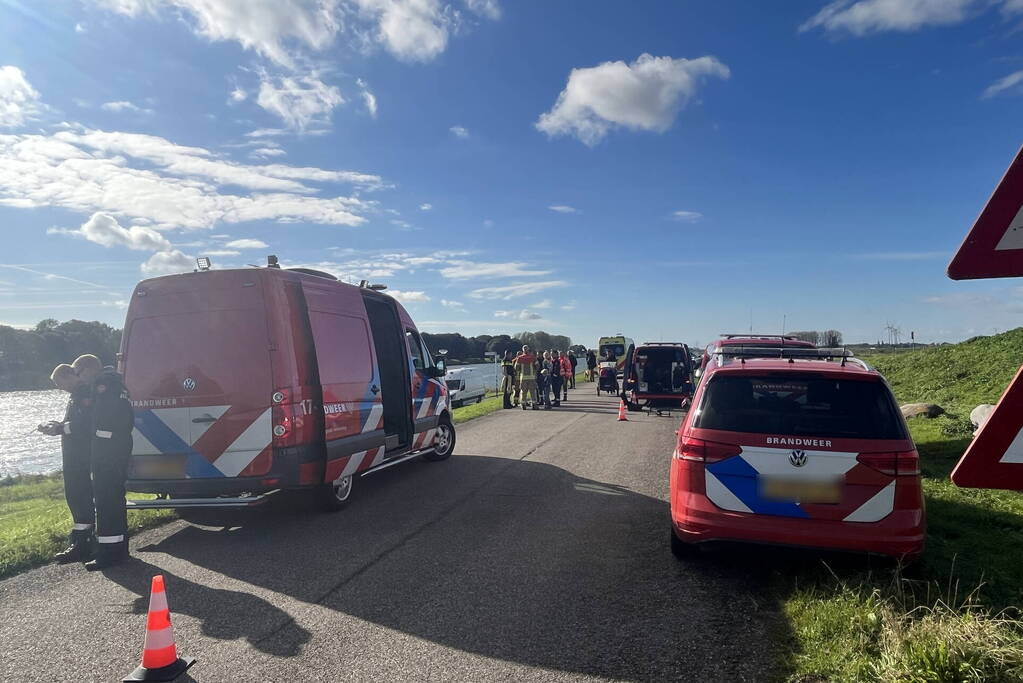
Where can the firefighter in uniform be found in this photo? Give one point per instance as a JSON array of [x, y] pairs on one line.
[[525, 363], [75, 450], [509, 383], [113, 420]]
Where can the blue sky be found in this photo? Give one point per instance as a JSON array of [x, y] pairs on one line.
[[663, 169]]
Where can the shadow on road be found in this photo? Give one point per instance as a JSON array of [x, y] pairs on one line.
[[512, 559], [224, 614]]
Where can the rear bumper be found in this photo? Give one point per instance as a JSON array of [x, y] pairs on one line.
[[237, 502], [900, 534]]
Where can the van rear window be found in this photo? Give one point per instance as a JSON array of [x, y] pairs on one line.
[[800, 405]]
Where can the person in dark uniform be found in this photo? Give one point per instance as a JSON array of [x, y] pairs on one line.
[[508, 384], [113, 420], [76, 455]]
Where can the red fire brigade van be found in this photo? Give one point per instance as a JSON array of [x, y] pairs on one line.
[[249, 381]]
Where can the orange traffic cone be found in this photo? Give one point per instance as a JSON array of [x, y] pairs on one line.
[[160, 661], [621, 412]]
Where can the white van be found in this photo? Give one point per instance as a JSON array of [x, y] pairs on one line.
[[465, 385]]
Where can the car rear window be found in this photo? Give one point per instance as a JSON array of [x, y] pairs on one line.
[[800, 406]]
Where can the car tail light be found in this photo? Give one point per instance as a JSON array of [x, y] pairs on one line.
[[698, 450], [905, 463]]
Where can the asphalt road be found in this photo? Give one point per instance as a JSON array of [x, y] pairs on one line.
[[538, 552]]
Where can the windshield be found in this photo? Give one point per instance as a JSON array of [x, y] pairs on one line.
[[617, 349], [800, 406]]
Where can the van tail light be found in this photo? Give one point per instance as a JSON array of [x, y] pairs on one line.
[[292, 424], [905, 463], [698, 450]]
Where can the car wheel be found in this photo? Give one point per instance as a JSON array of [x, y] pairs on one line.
[[335, 495], [679, 549], [445, 444]]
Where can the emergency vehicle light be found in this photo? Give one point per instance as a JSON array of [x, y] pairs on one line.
[[203, 262]]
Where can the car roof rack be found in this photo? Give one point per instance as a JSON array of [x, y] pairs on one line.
[[661, 344], [744, 352]]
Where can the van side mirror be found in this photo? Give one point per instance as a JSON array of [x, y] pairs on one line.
[[440, 367]]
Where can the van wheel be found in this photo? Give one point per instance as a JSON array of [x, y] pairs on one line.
[[445, 441], [335, 495], [479, 399]]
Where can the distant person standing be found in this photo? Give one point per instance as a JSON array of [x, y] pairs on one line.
[[544, 380], [567, 370], [557, 378], [591, 364], [76, 456], [525, 365], [113, 420], [508, 383], [573, 361]]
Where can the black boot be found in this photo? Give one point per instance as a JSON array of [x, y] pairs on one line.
[[108, 554], [79, 548], [507, 402]]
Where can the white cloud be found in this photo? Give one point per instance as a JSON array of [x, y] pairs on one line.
[[247, 244], [645, 95], [569, 306], [1013, 83], [486, 8], [546, 303], [124, 105], [524, 314], [411, 30], [79, 28], [266, 152], [425, 207], [464, 270], [408, 297], [168, 263], [272, 28], [103, 229], [686, 216], [222, 252], [368, 98], [460, 131], [561, 208], [299, 101], [153, 181], [19, 101], [238, 95], [514, 291], [860, 17], [455, 305]]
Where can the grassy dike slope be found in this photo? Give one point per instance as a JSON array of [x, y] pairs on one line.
[[956, 619], [34, 519]]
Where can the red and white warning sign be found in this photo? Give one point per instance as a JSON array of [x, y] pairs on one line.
[[994, 246], [995, 458]]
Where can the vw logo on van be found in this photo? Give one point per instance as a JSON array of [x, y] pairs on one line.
[[797, 458], [189, 384]]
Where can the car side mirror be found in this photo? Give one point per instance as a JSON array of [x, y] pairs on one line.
[[697, 373], [440, 367]]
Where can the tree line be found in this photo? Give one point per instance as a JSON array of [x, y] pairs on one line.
[[826, 339], [470, 349], [27, 357]]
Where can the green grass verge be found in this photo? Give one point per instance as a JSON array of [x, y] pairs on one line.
[[957, 618], [34, 521]]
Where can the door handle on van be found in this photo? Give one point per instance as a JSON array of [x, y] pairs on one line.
[[206, 418], [375, 389]]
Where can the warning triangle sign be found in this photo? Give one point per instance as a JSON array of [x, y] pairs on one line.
[[995, 458], [994, 246]]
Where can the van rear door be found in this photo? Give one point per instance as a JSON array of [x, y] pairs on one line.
[[197, 362]]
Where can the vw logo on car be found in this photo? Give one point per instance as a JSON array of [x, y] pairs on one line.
[[189, 384], [797, 458]]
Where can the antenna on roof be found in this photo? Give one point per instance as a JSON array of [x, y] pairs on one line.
[[271, 262]]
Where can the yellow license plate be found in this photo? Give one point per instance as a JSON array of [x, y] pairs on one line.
[[803, 491], [157, 468]]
